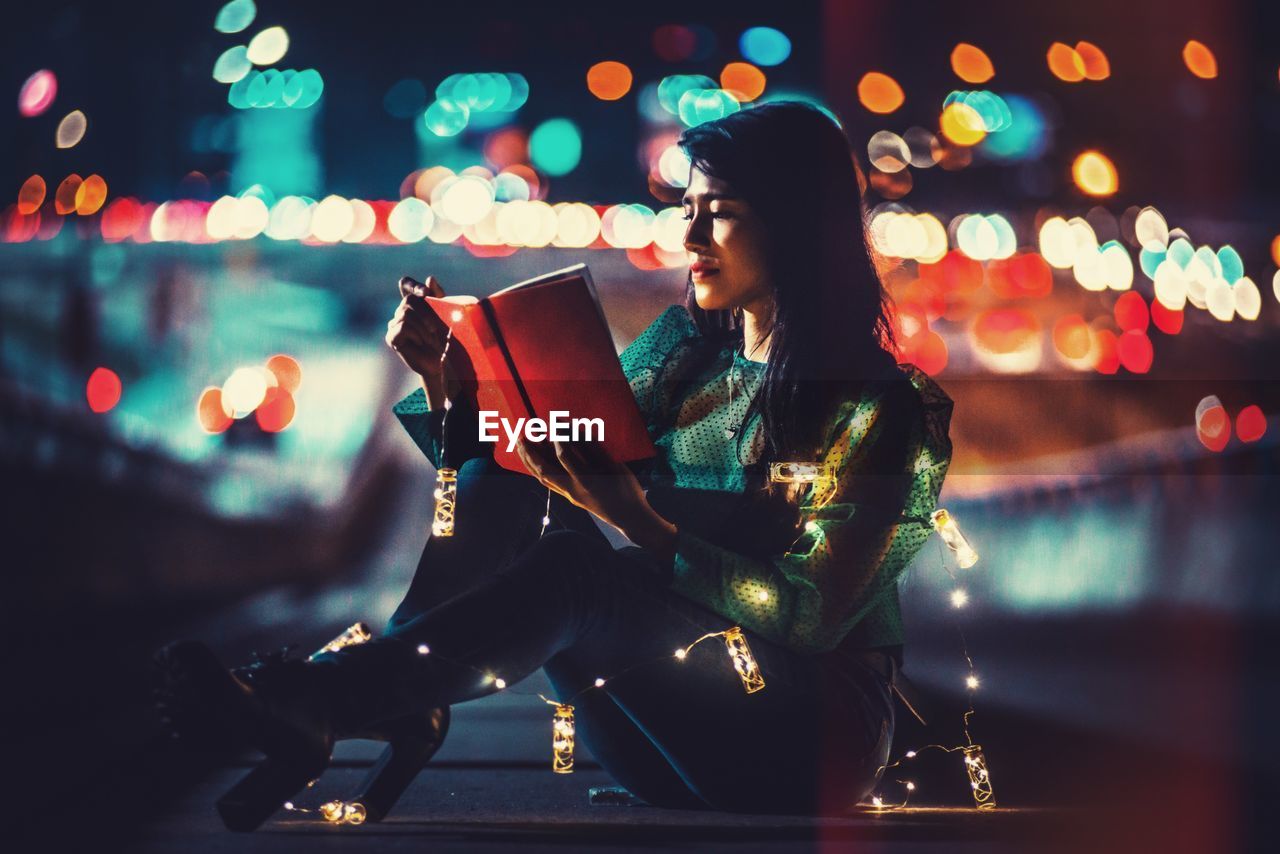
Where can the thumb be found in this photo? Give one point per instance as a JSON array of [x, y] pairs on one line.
[[433, 287]]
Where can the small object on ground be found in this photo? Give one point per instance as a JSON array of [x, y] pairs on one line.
[[613, 796]]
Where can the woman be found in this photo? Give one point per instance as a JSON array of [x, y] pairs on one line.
[[782, 353]]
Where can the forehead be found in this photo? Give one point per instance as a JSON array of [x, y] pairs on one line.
[[700, 183]]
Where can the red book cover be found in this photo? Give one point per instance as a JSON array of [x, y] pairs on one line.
[[543, 346]]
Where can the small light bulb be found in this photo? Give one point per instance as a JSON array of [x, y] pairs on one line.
[[911, 787], [288, 805], [448, 404], [971, 682], [501, 683], [456, 315], [811, 526], [599, 682], [546, 520], [763, 595], [680, 653], [423, 649], [959, 598], [876, 801], [911, 754]]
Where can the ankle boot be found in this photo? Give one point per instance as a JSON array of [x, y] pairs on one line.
[[294, 710]]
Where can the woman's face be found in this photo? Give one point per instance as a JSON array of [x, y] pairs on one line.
[[725, 240]]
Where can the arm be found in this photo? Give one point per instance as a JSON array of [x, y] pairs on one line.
[[849, 552]]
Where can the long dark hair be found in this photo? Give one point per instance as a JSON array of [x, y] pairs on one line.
[[830, 331]]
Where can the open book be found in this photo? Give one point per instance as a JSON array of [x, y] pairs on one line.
[[543, 346]]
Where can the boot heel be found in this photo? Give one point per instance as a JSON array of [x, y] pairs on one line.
[[411, 743], [261, 792]]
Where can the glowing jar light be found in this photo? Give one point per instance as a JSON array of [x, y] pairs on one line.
[[743, 661], [338, 812], [562, 738], [975, 763], [945, 524], [355, 634], [446, 495]]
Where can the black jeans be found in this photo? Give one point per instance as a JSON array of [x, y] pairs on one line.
[[676, 733]]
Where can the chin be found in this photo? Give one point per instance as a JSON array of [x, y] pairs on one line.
[[708, 298]]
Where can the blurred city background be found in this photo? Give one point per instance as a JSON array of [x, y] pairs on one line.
[[206, 208]]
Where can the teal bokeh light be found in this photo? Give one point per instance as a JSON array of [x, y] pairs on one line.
[[705, 105], [673, 87], [555, 146], [1025, 136], [1232, 264], [765, 46], [235, 16], [446, 118], [232, 65]]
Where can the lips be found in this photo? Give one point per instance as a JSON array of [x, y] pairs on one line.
[[703, 269]]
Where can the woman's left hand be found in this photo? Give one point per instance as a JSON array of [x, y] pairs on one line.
[[586, 475]]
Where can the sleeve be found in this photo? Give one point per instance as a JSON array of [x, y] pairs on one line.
[[425, 426], [859, 530], [645, 358]]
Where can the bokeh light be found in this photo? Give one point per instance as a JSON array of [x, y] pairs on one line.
[[1251, 423], [71, 129], [269, 46], [764, 46], [235, 16], [332, 219], [674, 43], [1131, 312], [103, 389], [1200, 60], [609, 80], [1007, 340], [1095, 64], [232, 64], [90, 195], [31, 195], [467, 199], [211, 414], [743, 81], [705, 105], [1135, 351], [1095, 174], [1213, 425], [555, 146], [446, 118], [1066, 63], [410, 220], [37, 93], [971, 64], [244, 390], [880, 93], [276, 411], [962, 124]]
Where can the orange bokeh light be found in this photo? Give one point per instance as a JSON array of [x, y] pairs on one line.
[[1108, 361], [287, 371], [1025, 275], [971, 64], [880, 93], [1275, 250], [926, 350], [90, 195], [506, 147], [1095, 174], [1200, 60], [31, 195], [103, 389], [64, 199], [1072, 337], [276, 411], [1213, 426], [1095, 63], [211, 412], [743, 81], [1251, 424], [1066, 63], [609, 80]]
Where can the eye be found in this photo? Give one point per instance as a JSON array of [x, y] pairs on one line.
[[687, 215], [721, 215]]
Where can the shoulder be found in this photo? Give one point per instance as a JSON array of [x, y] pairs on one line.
[[669, 329]]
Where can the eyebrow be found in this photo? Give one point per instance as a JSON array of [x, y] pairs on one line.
[[711, 197]]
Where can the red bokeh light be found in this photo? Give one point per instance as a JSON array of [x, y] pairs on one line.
[[1108, 352], [276, 411], [1167, 320], [1251, 424], [103, 389], [1134, 350], [1131, 312]]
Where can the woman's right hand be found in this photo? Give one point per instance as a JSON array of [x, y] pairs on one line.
[[417, 335]]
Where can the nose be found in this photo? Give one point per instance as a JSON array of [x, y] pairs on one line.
[[695, 236]]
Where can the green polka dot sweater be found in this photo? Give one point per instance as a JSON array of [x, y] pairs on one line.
[[809, 566]]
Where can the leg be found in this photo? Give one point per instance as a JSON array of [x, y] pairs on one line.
[[500, 513], [808, 740]]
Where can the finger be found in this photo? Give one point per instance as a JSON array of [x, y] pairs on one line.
[[434, 287], [410, 286]]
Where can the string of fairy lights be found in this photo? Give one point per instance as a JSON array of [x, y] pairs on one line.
[[818, 475]]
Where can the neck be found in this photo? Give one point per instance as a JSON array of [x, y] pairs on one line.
[[755, 341]]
